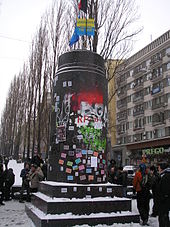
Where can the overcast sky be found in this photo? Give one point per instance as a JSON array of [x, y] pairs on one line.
[[20, 18]]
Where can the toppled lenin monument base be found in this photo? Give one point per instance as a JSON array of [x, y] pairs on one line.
[[77, 191]]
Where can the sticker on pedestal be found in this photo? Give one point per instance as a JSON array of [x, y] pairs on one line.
[[93, 161], [83, 177], [71, 153], [69, 178], [63, 190], [68, 170], [69, 163]]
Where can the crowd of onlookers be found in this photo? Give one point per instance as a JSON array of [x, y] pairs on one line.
[[148, 182], [34, 171]]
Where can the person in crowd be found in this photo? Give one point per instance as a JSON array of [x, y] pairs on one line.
[[164, 195], [1, 159], [25, 183], [2, 180], [112, 172], [37, 160], [155, 177], [6, 161], [36, 175], [44, 168], [141, 184], [9, 181], [122, 179]]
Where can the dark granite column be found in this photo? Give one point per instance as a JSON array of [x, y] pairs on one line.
[[79, 120]]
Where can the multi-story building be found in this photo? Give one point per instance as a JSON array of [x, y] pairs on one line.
[[143, 105]]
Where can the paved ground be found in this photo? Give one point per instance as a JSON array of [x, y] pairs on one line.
[[13, 215]]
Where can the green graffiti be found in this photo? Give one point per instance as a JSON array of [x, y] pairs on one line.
[[92, 137]]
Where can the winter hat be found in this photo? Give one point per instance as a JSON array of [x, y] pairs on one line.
[[163, 165], [142, 168]]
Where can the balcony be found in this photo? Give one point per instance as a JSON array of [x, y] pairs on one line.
[[156, 77], [121, 118], [159, 105], [156, 61], [158, 123], [137, 86], [136, 113], [139, 72], [122, 94], [138, 128], [138, 99], [122, 106]]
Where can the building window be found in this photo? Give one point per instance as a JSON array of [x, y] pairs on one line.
[[149, 135], [149, 119], [168, 66], [149, 76], [168, 81], [168, 51], [131, 72], [161, 132], [168, 96]]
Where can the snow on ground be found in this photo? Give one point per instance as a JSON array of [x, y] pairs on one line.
[[13, 215]]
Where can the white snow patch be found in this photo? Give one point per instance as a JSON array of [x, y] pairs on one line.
[[52, 183], [50, 199], [43, 216]]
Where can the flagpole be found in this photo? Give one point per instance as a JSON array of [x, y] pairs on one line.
[[86, 24]]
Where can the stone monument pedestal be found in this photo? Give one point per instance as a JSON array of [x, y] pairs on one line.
[[64, 204]]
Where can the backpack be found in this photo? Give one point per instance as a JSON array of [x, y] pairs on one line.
[[144, 182]]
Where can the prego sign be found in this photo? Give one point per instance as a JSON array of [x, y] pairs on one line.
[[153, 151]]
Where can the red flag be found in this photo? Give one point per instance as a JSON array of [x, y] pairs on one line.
[[82, 4]]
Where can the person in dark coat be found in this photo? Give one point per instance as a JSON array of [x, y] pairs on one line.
[[122, 179], [25, 183], [6, 161], [164, 195], [2, 180], [44, 168], [155, 177], [37, 160], [141, 184], [112, 172], [1, 159], [9, 181]]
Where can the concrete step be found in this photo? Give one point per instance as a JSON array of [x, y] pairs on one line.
[[41, 219], [86, 205], [72, 190]]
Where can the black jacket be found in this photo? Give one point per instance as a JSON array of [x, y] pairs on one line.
[[37, 160], [164, 190], [2, 179], [9, 178]]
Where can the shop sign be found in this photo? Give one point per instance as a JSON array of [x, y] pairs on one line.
[[153, 151]]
